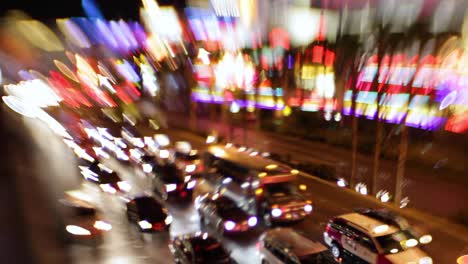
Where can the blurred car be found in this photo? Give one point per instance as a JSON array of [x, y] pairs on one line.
[[171, 182], [198, 248], [223, 214], [282, 202], [82, 222], [148, 214], [189, 161], [132, 137], [284, 245], [107, 180], [375, 236]]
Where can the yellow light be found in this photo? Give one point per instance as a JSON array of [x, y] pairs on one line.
[[259, 191], [271, 167], [294, 172], [262, 174], [462, 259], [287, 111], [303, 187]]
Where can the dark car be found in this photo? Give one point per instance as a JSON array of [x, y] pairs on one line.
[[199, 248], [171, 182], [148, 214], [82, 222], [107, 179], [282, 202], [223, 214]]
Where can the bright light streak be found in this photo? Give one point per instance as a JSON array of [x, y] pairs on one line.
[[380, 229], [145, 224], [190, 168], [168, 220], [191, 184], [210, 139], [107, 188], [171, 187], [124, 186], [77, 230], [101, 225], [308, 208], [19, 106], [39, 35], [203, 55]]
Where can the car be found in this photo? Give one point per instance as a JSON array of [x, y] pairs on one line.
[[148, 214], [171, 182], [199, 248], [375, 237], [107, 179], [284, 245], [189, 161], [283, 203], [260, 185], [223, 214], [82, 222]]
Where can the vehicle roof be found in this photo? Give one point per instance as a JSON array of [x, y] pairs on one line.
[[368, 224], [243, 158], [298, 244]]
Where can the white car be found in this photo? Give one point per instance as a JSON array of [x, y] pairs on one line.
[[284, 245]]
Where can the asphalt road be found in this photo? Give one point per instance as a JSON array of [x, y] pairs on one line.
[[57, 172]]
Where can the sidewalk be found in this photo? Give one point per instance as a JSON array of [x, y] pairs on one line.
[[426, 191]]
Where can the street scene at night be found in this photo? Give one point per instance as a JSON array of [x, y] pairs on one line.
[[234, 131]]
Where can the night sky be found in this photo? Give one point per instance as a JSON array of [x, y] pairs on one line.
[[48, 9]]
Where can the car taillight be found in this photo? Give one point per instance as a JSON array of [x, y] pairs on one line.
[[327, 228], [383, 260]]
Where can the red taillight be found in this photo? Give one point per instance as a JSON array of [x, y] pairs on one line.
[[327, 228]]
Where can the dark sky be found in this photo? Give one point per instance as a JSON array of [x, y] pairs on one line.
[[47, 9]]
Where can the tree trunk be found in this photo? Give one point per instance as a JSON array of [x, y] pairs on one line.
[[400, 174], [378, 147]]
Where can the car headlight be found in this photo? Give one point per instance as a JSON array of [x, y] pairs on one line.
[[190, 168], [191, 184], [168, 220], [101, 225], [145, 224], [229, 225], [164, 153], [107, 188], [308, 208], [124, 186], [411, 242], [187, 178], [426, 239], [276, 212], [147, 168], [171, 187], [252, 221], [77, 230], [425, 260]]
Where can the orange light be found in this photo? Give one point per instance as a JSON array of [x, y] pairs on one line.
[[259, 191]]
